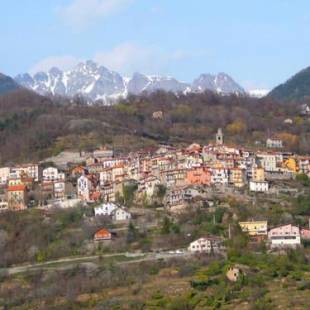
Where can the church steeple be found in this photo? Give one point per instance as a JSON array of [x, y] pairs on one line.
[[219, 138]]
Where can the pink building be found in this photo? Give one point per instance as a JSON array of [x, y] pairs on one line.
[[284, 236], [305, 233]]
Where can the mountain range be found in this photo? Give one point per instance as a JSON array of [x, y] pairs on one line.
[[96, 82]]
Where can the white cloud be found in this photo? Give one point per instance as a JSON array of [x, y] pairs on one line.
[[128, 58], [61, 62], [125, 58], [82, 13]]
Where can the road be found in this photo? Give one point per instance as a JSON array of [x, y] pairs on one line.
[[63, 263]]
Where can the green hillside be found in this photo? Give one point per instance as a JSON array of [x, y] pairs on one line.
[[296, 88]]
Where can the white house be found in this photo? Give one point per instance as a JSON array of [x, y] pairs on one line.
[[105, 176], [120, 214], [105, 209], [274, 143], [52, 174], [59, 189], [219, 176], [4, 175], [148, 185], [84, 187], [259, 186], [284, 236], [206, 245], [268, 161], [31, 170]]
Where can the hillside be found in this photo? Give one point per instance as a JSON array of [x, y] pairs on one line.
[[7, 84], [33, 127], [296, 88]]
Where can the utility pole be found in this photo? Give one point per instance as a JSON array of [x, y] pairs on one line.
[[229, 232]]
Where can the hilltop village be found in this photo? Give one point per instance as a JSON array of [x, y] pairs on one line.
[[165, 178]]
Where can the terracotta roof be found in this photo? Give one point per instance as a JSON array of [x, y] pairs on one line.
[[15, 188]]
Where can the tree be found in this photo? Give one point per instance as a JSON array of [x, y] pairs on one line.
[[165, 228], [129, 194], [132, 234]]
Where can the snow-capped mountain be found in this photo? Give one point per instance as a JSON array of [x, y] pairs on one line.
[[221, 83], [258, 93], [97, 82]]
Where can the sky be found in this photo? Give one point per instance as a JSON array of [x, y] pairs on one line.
[[260, 43]]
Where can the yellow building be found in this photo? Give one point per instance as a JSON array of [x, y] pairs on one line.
[[258, 174], [236, 177], [291, 164], [254, 228]]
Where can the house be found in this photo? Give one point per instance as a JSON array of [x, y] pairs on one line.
[[206, 245], [120, 214], [84, 187], [233, 273], [291, 164], [194, 148], [254, 228], [284, 236], [158, 115], [59, 189], [52, 174], [258, 174], [259, 186], [219, 176], [305, 110], [31, 170], [288, 121], [274, 143], [4, 206], [17, 197], [108, 191], [237, 177], [304, 165], [105, 176], [95, 196], [268, 161], [78, 171], [175, 196], [176, 177], [148, 185], [102, 234], [198, 176], [4, 175], [103, 153], [305, 233], [105, 209]]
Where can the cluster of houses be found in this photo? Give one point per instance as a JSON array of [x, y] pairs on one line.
[[283, 236], [181, 171]]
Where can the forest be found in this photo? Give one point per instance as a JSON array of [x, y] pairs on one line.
[[33, 127]]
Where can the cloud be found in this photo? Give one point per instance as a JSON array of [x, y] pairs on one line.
[[61, 62], [82, 13], [125, 58], [128, 58]]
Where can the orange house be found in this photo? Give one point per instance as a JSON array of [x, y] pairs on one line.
[[198, 176], [102, 234]]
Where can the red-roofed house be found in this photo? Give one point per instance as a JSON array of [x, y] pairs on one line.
[[102, 234], [17, 197]]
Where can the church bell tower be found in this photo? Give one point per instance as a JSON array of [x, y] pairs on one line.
[[219, 138]]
